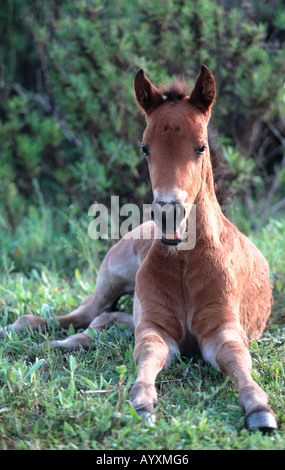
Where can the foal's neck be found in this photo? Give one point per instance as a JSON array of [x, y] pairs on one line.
[[209, 216]]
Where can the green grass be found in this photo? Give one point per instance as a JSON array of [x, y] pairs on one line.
[[55, 400]]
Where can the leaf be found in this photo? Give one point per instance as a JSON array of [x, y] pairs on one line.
[[34, 368], [72, 364], [279, 285]]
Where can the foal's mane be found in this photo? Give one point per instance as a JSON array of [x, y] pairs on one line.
[[178, 90]]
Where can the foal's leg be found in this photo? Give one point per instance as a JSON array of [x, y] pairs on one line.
[[116, 277], [79, 318], [152, 353], [99, 323], [227, 351]]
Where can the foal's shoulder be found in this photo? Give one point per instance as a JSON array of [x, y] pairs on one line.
[[242, 246]]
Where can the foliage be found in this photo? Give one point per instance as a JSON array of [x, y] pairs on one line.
[[50, 399], [68, 119]]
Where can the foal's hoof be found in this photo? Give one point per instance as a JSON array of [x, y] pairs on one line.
[[147, 417], [262, 421]]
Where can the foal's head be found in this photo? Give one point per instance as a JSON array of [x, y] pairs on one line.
[[175, 143]]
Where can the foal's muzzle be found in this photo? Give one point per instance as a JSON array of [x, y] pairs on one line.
[[168, 218]]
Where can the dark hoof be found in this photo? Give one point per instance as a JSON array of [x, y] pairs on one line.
[[262, 421]]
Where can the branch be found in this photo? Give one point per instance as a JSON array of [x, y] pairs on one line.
[[41, 100], [276, 181], [276, 207], [45, 104]]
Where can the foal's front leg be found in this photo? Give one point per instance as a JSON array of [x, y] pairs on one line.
[[227, 351], [152, 353]]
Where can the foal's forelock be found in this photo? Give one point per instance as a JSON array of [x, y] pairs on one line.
[[178, 90]]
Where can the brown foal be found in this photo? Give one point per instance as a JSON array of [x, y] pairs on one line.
[[213, 297]]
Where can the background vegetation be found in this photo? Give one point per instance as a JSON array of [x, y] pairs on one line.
[[69, 135]]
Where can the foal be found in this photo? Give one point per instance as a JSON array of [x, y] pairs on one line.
[[211, 298]]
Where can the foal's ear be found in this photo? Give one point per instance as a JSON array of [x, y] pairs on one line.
[[148, 97], [204, 91]]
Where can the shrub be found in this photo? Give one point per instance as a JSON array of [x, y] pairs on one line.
[[68, 119]]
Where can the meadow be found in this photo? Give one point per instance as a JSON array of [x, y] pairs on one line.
[[50, 399]]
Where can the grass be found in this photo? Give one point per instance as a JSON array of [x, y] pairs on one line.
[[55, 400]]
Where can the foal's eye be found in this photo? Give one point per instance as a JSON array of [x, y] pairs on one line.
[[201, 150], [145, 150]]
